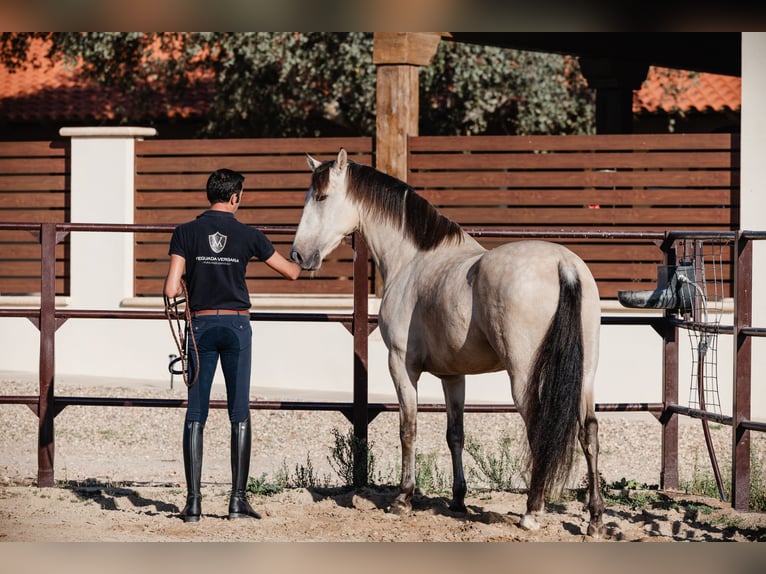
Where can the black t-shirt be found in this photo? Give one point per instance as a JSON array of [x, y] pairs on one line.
[[217, 249]]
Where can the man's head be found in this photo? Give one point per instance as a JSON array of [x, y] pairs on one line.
[[223, 184]]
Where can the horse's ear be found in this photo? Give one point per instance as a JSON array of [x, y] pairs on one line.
[[342, 160], [313, 164]]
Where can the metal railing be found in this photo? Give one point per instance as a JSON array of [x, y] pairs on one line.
[[360, 412]]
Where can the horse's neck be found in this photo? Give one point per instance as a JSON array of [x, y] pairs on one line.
[[392, 251]]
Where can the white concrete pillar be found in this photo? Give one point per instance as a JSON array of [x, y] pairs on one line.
[[753, 194], [102, 191]]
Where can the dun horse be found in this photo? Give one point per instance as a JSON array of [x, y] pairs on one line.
[[451, 307]]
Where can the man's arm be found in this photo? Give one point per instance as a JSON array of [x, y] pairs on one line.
[[176, 270], [284, 267]]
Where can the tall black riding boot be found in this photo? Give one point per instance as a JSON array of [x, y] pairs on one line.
[[193, 468], [240, 469]]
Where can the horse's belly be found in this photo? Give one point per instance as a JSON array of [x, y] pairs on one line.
[[468, 360]]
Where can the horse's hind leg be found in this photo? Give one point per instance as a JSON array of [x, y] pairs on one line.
[[589, 440], [454, 397]]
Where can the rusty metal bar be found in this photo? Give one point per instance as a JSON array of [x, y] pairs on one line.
[[46, 409], [670, 426], [699, 414], [360, 328], [743, 301], [345, 407]]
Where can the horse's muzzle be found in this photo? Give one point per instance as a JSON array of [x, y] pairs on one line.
[[311, 263]]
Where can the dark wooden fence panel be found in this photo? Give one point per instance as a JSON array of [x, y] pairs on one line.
[[607, 182], [34, 188], [170, 189]]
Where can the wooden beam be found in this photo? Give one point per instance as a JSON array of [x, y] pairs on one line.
[[413, 48]]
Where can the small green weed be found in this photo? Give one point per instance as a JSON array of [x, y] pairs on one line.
[[497, 470], [342, 456], [260, 486], [428, 476]]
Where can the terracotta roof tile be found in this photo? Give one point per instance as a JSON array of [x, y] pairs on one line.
[[55, 92], [666, 90]]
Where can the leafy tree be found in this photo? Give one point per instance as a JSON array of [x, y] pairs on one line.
[[297, 84]]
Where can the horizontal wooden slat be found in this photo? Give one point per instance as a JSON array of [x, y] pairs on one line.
[[27, 149], [286, 216], [30, 268], [537, 216], [579, 179], [36, 199], [191, 182], [33, 166], [609, 143], [33, 182], [516, 197], [266, 146], [33, 216], [21, 286], [588, 160]]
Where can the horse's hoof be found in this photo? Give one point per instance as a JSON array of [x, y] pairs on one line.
[[596, 530], [455, 507], [399, 508], [527, 522]]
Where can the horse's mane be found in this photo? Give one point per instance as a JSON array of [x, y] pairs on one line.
[[391, 200]]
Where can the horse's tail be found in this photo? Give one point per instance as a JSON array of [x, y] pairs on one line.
[[554, 388]]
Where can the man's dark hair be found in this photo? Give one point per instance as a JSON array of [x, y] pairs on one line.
[[222, 184]]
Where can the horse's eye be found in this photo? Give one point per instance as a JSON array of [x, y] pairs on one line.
[[320, 197]]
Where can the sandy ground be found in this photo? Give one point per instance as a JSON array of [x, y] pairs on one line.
[[119, 478]]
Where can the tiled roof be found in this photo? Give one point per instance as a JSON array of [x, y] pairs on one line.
[[667, 90], [53, 92]]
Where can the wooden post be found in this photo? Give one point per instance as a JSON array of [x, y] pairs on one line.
[[398, 56]]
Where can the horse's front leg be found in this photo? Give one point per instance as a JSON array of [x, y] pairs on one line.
[[405, 382], [454, 397]]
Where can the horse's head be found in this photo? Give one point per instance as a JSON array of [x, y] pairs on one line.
[[328, 216]]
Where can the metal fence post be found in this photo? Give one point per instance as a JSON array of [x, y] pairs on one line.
[[47, 325], [361, 373]]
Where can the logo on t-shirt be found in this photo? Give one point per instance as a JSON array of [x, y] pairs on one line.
[[217, 242]]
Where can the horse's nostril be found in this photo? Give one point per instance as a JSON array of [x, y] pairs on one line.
[[295, 256]]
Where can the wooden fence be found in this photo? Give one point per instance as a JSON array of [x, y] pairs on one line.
[[170, 188], [608, 182], [613, 183], [34, 188]]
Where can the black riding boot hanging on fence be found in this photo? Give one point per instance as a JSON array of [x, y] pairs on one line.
[[193, 469], [240, 469]]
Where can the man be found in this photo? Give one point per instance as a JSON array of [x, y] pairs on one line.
[[211, 255]]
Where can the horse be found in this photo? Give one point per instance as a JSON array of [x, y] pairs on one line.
[[452, 308]]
